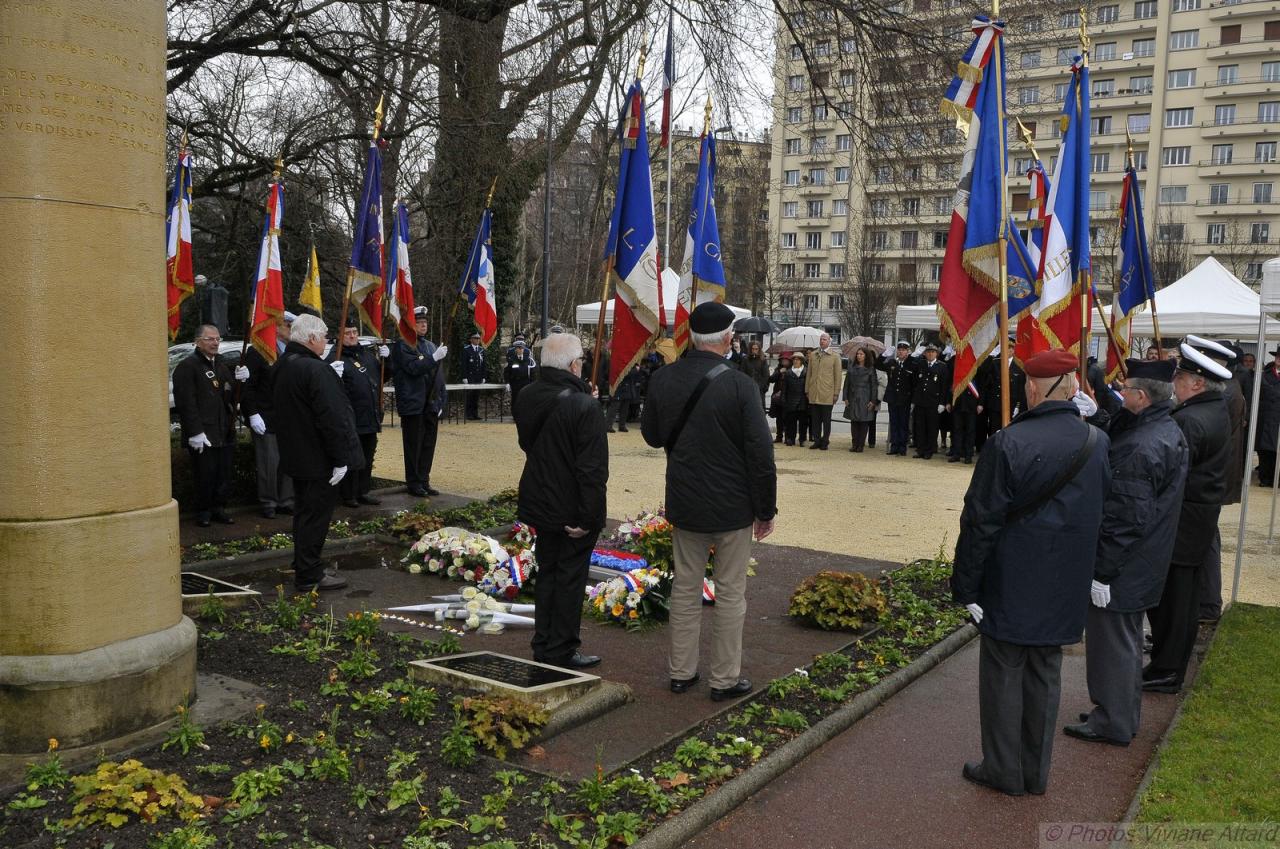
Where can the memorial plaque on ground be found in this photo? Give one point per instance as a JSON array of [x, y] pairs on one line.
[[197, 588], [490, 672]]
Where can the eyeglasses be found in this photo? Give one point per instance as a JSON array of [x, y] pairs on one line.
[[210, 339]]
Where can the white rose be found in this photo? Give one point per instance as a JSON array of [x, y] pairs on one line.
[[470, 575], [490, 558], [473, 621], [433, 565], [473, 606], [469, 592], [415, 568]]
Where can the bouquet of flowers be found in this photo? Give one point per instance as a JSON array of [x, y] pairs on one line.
[[455, 553], [506, 579], [521, 538], [648, 534], [632, 599]]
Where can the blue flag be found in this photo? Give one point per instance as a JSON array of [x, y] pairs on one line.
[[366, 244], [1136, 282], [703, 253]]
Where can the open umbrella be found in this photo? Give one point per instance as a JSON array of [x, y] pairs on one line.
[[797, 338], [861, 342], [756, 324]]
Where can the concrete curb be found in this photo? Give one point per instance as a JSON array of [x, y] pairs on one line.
[[599, 701], [237, 563], [680, 829]]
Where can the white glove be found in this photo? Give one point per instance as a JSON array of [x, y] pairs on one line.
[[948, 351], [1086, 405], [337, 366], [339, 472], [257, 425], [384, 351], [975, 611], [441, 353], [919, 351], [242, 373], [199, 442], [1100, 593], [941, 407]]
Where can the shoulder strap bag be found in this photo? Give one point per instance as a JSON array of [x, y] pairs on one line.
[[689, 405], [1065, 477]]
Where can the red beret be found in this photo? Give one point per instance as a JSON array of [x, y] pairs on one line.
[[1051, 363]]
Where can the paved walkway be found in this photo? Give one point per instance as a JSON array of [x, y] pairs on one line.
[[893, 780]]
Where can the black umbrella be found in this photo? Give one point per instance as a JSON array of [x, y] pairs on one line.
[[756, 324]]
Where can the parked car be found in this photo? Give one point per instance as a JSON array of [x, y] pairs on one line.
[[229, 350]]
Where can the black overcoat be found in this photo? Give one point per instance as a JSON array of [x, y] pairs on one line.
[[897, 391], [361, 377], [203, 395], [1031, 576], [413, 374], [932, 384], [473, 367], [315, 429], [1204, 423], [1140, 517], [255, 393], [1268, 410], [794, 397]]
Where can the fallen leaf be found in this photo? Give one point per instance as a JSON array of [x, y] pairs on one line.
[[536, 752], [680, 779], [212, 802]]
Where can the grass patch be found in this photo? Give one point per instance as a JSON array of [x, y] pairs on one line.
[[1222, 762]]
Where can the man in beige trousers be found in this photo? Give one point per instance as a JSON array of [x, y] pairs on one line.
[[823, 378], [721, 490]]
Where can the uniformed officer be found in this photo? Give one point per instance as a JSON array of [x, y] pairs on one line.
[[473, 372], [1202, 414], [520, 369], [275, 489], [1139, 519], [203, 396], [930, 392], [420, 399], [362, 378], [1023, 566], [897, 396], [989, 396]]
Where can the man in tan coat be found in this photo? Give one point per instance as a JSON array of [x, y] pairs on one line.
[[823, 378]]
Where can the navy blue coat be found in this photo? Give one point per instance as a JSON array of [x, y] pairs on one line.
[[1031, 576], [413, 373], [361, 377], [1204, 422], [898, 390], [1148, 472], [473, 367]]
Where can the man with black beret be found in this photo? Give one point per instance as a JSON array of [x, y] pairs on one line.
[[1023, 565], [1201, 412], [1139, 519], [721, 489]]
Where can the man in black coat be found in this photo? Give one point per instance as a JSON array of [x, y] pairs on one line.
[[361, 380], [1023, 565], [203, 396], [625, 398], [420, 398], [1139, 519], [930, 390], [275, 489], [1202, 414], [1268, 420], [473, 372], [318, 445], [990, 393], [721, 487], [964, 423], [520, 370], [562, 495], [897, 396]]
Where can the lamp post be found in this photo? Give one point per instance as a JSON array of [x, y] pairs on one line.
[[554, 8]]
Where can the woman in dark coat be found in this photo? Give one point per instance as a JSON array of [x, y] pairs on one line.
[[775, 398], [795, 403], [755, 365], [861, 396]]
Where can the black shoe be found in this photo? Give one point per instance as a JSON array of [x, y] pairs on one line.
[[1084, 717], [1084, 732], [418, 492], [968, 461], [203, 520], [917, 456], [1163, 684], [350, 502], [623, 429], [611, 430], [328, 582], [953, 459], [973, 772], [853, 449], [579, 661], [222, 518], [370, 500], [268, 512], [432, 491], [790, 443], [720, 694], [284, 510], [824, 446], [682, 686], [815, 446], [777, 440]]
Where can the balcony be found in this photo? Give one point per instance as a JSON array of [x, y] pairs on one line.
[[1211, 130], [1237, 208], [812, 222], [811, 189], [1253, 46], [817, 157], [812, 254], [1240, 11], [1208, 168], [817, 125], [1243, 87]]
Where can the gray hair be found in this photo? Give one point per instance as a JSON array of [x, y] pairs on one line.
[[1212, 384], [559, 350], [202, 328], [1156, 390], [710, 340], [307, 327]]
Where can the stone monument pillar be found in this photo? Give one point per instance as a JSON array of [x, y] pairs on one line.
[[93, 643]]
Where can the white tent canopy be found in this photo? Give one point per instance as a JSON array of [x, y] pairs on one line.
[[590, 313], [917, 318]]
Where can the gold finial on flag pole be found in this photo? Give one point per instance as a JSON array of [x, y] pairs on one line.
[[644, 52], [1084, 32], [377, 117], [706, 125], [279, 167], [488, 201], [1028, 138]]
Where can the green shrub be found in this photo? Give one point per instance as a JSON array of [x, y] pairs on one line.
[[838, 601]]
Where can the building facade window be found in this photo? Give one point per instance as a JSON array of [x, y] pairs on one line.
[[1139, 122], [835, 271], [837, 238], [795, 115], [790, 208], [1173, 194], [1099, 163], [1184, 39], [879, 207], [1104, 51], [1269, 111], [879, 240], [940, 238], [1224, 114], [1259, 232], [839, 206], [911, 206], [1183, 78], [813, 241], [1180, 155], [812, 271], [1253, 271], [844, 142], [1228, 74], [1271, 72], [1180, 117], [910, 240], [1216, 234], [788, 241], [1170, 232], [813, 209], [842, 173], [1219, 193], [1144, 9], [1262, 193], [811, 301], [1144, 47], [1222, 154], [1186, 5], [1106, 14], [1104, 88], [791, 177], [1264, 152], [795, 82], [1141, 84], [817, 176], [793, 146]]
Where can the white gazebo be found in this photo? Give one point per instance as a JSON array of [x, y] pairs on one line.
[[585, 314]]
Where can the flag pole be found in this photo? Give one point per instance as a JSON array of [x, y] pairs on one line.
[[608, 262], [457, 301], [351, 272], [1148, 286], [254, 292], [1085, 279], [1003, 244]]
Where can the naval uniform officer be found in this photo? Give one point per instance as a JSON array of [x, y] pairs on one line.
[[420, 399], [203, 397], [361, 379]]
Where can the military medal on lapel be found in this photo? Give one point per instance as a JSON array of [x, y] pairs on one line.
[[420, 356], [214, 380]]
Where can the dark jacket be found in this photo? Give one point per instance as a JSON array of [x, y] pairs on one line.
[[414, 374], [794, 397], [255, 393], [1140, 517], [777, 382], [898, 390], [932, 384], [720, 473], [1203, 419], [1268, 410], [1238, 417], [966, 401], [315, 429], [1031, 576], [361, 377], [756, 368], [630, 385], [203, 395], [860, 389], [566, 467], [521, 367], [473, 367], [1108, 404], [987, 380]]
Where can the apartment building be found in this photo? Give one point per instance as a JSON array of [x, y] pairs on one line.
[[864, 167]]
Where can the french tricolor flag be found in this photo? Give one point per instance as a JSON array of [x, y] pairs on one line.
[[399, 280], [478, 281]]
